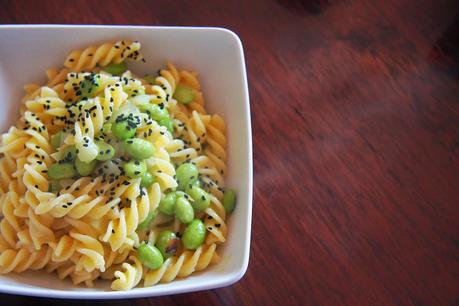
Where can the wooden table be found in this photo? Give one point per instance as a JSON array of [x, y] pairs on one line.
[[355, 109]]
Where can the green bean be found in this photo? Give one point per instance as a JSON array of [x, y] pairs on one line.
[[150, 256], [61, 170], [69, 153], [167, 204], [167, 122], [116, 69], [146, 223], [147, 179], [183, 210], [89, 86], [135, 168], [139, 148], [167, 243], [183, 94], [85, 169], [194, 235], [122, 130], [187, 173], [150, 79], [106, 151], [200, 196], [229, 200], [57, 139], [154, 111]]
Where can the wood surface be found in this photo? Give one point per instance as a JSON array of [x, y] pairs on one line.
[[355, 116]]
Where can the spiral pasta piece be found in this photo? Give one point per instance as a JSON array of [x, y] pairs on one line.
[[20, 260], [85, 197], [11, 224], [63, 249], [216, 150], [92, 253], [182, 266], [87, 59], [7, 169], [47, 103], [129, 276]]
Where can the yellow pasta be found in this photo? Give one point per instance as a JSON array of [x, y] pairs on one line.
[[129, 275], [102, 55], [182, 266], [12, 260], [87, 170]]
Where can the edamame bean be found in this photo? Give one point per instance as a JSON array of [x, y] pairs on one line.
[[147, 179], [57, 139], [194, 235], [229, 200], [183, 210], [154, 111], [139, 148], [167, 204], [183, 94], [135, 168], [200, 196], [146, 223], [167, 243], [60, 171], [197, 183], [187, 173], [150, 256], [106, 151], [69, 153], [167, 122], [89, 86], [116, 69], [122, 130], [85, 169]]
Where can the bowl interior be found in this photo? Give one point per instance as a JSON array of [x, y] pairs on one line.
[[216, 54]]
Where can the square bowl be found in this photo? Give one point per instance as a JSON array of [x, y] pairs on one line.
[[26, 51]]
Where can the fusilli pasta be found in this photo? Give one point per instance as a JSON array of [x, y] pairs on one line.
[[80, 197]]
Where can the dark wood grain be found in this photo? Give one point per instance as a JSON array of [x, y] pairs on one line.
[[355, 109]]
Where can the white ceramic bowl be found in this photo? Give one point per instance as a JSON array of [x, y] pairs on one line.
[[26, 51]]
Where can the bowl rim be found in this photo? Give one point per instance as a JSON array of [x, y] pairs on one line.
[[157, 290]]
